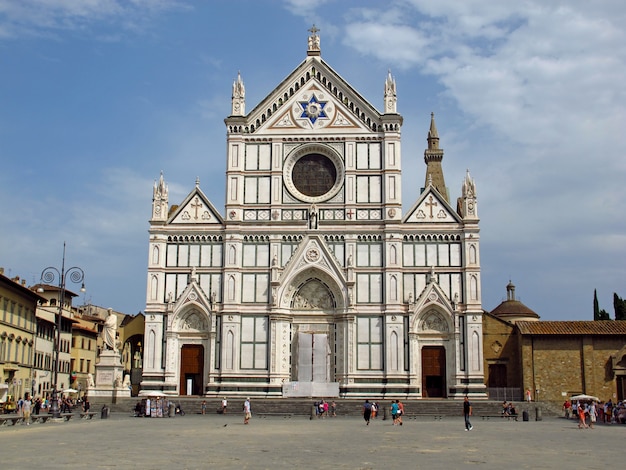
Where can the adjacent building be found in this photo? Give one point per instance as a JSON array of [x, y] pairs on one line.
[[18, 326], [552, 359]]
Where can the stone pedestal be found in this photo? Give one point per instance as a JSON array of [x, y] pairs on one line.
[[109, 377]]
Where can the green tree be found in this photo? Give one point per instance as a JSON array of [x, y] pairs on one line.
[[597, 313], [620, 307]]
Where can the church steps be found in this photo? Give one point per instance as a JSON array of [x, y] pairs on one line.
[[345, 407]]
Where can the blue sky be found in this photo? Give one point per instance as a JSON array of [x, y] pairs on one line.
[[97, 97]]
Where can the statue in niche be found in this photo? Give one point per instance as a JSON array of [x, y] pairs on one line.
[[313, 217], [137, 360]]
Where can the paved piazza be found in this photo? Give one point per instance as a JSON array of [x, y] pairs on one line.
[[216, 441]]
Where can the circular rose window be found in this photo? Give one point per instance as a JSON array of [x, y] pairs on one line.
[[313, 173]]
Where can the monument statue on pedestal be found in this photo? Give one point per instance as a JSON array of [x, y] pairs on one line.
[[109, 332]]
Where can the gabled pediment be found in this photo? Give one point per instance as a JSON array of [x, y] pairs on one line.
[[313, 97], [432, 296], [196, 209], [432, 312], [192, 308], [431, 208]]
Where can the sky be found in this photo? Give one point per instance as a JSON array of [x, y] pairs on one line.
[[97, 97]]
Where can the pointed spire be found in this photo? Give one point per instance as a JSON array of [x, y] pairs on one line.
[[239, 97], [433, 135], [314, 42], [390, 94], [433, 156], [160, 188]]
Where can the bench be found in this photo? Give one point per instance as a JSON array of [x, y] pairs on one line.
[[87, 414], [67, 416], [435, 416], [508, 417], [5, 420], [41, 418], [281, 415]]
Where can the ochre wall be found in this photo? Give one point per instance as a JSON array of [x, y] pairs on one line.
[[558, 365]]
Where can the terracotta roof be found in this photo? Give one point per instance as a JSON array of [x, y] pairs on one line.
[[604, 327], [513, 307]]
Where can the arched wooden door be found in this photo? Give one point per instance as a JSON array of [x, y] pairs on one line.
[[191, 369], [434, 372]]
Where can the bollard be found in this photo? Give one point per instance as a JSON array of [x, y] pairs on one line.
[[384, 413], [313, 411], [538, 414], [104, 412]]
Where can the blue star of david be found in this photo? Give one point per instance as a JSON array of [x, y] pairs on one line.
[[313, 109]]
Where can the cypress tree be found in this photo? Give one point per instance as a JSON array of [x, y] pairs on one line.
[[620, 307]]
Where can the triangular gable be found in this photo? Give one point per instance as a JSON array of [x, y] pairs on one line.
[[196, 209], [431, 208], [313, 252], [340, 106], [314, 108], [432, 295], [192, 295]]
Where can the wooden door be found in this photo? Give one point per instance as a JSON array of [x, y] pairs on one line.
[[191, 369], [497, 376], [433, 372]]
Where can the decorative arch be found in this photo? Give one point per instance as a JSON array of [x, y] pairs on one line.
[[305, 289], [432, 320], [191, 319]]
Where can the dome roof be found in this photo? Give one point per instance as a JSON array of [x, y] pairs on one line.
[[512, 309]]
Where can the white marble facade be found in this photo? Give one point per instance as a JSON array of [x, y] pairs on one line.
[[315, 273]]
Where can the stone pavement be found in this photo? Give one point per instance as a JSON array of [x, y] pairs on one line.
[[222, 441]]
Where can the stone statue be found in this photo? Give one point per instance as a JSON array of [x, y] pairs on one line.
[[126, 382], [90, 382], [137, 360], [109, 331]]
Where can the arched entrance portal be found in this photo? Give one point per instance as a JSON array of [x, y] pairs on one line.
[[191, 369], [434, 372]]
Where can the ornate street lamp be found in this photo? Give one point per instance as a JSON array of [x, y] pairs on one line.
[[48, 275]]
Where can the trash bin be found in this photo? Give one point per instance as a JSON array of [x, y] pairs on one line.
[[104, 413], [524, 415], [538, 414]]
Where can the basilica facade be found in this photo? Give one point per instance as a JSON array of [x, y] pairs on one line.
[[315, 281]]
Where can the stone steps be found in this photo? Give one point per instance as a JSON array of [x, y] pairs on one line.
[[345, 407]]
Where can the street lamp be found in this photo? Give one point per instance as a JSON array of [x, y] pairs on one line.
[[48, 275]]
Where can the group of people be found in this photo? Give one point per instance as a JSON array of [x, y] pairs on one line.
[[508, 410], [28, 406], [324, 409], [370, 411], [589, 412]]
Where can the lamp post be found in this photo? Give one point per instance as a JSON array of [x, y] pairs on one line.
[[48, 275]]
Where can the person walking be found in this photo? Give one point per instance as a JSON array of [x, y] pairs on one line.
[[593, 414], [203, 407], [394, 412], [467, 412], [367, 412], [400, 411], [26, 407], [224, 405], [247, 411], [582, 424]]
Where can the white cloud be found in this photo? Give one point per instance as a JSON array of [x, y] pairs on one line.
[[45, 17]]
